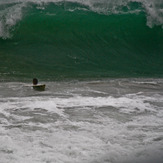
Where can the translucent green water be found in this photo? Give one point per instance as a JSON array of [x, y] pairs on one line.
[[68, 40]]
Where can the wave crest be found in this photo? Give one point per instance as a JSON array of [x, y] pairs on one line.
[[10, 15], [11, 11]]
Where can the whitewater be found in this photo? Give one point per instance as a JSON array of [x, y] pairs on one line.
[[101, 61], [11, 11], [104, 121]]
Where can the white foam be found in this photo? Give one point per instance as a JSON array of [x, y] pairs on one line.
[[73, 140], [128, 104], [10, 16], [31, 104], [154, 11]]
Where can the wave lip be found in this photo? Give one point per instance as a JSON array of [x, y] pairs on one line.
[[11, 12], [10, 15]]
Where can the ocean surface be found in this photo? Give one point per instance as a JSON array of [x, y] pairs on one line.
[[102, 63], [58, 39], [105, 121]]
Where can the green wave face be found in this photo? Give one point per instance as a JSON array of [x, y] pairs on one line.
[[75, 40]]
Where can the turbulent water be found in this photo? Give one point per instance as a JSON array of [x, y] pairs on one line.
[[54, 39], [101, 61], [107, 121]]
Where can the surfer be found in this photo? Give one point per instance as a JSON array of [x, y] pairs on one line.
[[36, 86], [35, 81]]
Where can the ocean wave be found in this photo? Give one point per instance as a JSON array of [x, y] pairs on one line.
[[12, 11], [81, 39]]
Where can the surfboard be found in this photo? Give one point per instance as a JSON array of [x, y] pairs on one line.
[[39, 87]]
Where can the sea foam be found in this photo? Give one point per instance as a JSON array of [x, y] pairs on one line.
[[11, 11]]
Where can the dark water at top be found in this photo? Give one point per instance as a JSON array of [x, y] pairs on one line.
[[73, 40]]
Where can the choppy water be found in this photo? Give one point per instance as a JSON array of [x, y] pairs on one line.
[[75, 47], [104, 121]]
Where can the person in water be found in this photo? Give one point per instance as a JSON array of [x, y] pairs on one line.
[[35, 81], [38, 87]]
